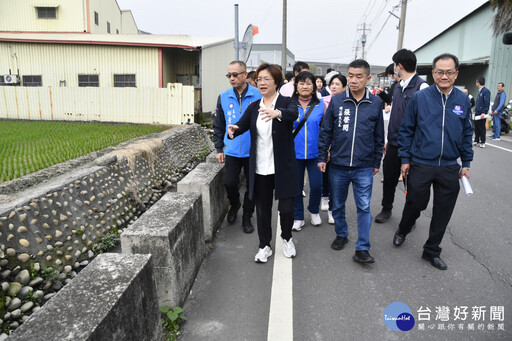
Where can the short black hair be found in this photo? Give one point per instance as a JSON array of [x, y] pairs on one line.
[[502, 84], [360, 64], [481, 80], [288, 76], [446, 56], [329, 70], [390, 70], [299, 66], [407, 58], [302, 76], [342, 79], [321, 78], [240, 63]]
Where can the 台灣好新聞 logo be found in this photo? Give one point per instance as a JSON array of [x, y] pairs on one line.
[[398, 316]]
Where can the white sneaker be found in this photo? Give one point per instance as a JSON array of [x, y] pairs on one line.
[[315, 219], [289, 248], [482, 145], [324, 205], [263, 254], [303, 194], [475, 143], [331, 219], [297, 225]]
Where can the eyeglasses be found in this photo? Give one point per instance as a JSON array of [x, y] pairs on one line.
[[264, 80], [440, 73], [234, 74]]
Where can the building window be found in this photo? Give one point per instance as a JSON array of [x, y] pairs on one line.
[[108, 27], [96, 18], [123, 81], [46, 12], [88, 80], [32, 81]]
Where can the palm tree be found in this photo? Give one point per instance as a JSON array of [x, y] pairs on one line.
[[503, 18]]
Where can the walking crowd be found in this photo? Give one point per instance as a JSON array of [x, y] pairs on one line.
[[333, 127]]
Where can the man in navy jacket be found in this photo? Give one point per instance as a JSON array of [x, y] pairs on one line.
[[231, 105], [435, 132], [353, 129], [481, 109], [405, 65]]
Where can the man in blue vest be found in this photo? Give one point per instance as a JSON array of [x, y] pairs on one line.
[[405, 67], [231, 105]]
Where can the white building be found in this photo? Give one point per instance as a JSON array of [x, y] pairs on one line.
[[93, 43]]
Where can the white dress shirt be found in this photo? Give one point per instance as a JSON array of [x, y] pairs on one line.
[[264, 144]]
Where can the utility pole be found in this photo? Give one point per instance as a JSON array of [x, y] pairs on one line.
[[283, 44], [363, 40], [237, 45], [402, 25]]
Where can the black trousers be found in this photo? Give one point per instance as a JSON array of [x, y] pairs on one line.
[[391, 169], [234, 166], [264, 197], [445, 182], [480, 131]]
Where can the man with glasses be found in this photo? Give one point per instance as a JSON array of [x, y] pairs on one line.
[[231, 105], [436, 130]]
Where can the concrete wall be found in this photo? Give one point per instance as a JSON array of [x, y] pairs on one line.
[[172, 231], [114, 298], [117, 297], [208, 179]]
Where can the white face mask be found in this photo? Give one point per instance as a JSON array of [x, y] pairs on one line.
[[391, 80]]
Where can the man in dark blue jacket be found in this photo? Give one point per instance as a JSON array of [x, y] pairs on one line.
[[231, 105], [481, 109], [353, 129], [405, 65], [436, 130]]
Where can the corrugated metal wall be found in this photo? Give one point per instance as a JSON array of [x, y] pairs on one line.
[[500, 67], [171, 105], [213, 77], [468, 39], [64, 62]]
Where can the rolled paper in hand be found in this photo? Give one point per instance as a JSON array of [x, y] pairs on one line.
[[467, 186]]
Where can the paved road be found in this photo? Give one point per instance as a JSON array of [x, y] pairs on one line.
[[323, 294]]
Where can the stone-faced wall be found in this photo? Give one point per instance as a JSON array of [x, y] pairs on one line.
[[58, 224]]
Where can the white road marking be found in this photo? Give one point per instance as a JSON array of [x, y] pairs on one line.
[[280, 321], [494, 146]]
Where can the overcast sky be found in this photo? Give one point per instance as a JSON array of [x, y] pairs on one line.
[[321, 30]]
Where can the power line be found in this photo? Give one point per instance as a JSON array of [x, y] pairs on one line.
[[323, 47], [375, 39]]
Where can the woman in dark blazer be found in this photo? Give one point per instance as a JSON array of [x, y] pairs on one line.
[[272, 162]]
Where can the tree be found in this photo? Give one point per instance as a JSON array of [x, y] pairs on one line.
[[503, 18]]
